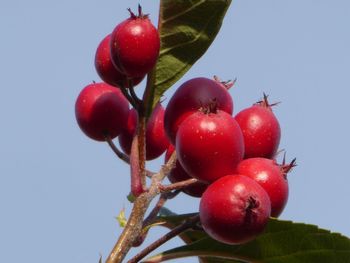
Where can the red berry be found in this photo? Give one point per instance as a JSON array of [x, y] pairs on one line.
[[234, 209], [272, 177], [105, 68], [156, 140], [101, 110], [209, 145], [190, 97], [135, 45], [261, 130], [178, 174]]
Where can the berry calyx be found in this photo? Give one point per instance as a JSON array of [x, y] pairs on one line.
[[101, 110], [234, 209], [135, 45], [261, 130]]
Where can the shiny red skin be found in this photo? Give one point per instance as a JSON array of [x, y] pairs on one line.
[[105, 68], [178, 174], [261, 131], [156, 140], [271, 177], [234, 209], [135, 45], [209, 145], [101, 109], [191, 96]]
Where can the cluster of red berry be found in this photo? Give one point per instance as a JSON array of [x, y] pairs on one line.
[[241, 185], [239, 182]]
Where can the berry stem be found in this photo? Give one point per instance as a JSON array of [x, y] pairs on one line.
[[129, 97], [178, 185], [161, 202], [123, 156], [115, 149], [171, 234], [134, 95]]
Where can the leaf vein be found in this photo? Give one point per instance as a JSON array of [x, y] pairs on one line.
[[183, 12], [167, 50]]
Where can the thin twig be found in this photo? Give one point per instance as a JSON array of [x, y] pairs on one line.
[[152, 215], [166, 168], [136, 183], [141, 134], [171, 234], [133, 228]]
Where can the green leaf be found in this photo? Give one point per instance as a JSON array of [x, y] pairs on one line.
[[166, 213], [187, 29], [282, 242], [121, 218]]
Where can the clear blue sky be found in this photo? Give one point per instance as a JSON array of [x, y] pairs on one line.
[[60, 191]]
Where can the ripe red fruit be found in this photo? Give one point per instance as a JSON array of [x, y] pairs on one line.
[[101, 110], [234, 209], [261, 130], [178, 174], [209, 145], [105, 68], [156, 140], [135, 45], [272, 177], [190, 97]]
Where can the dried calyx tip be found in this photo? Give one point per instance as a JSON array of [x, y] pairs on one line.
[[139, 8], [286, 168], [140, 13], [274, 157], [227, 84], [265, 102], [132, 15]]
